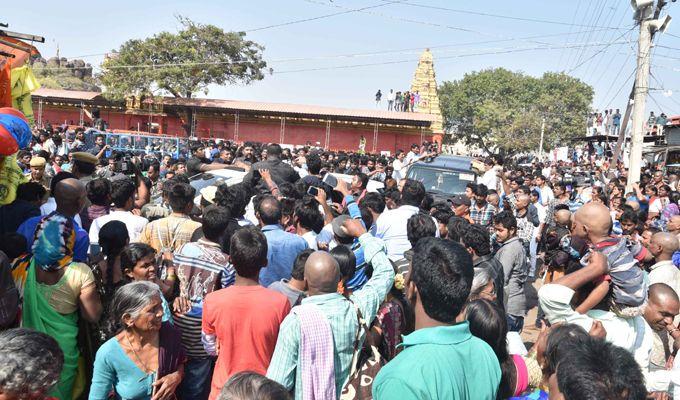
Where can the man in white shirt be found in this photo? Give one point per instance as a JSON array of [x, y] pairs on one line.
[[546, 192], [391, 225], [123, 197], [399, 166], [662, 246], [391, 96], [413, 154], [635, 334], [490, 177]]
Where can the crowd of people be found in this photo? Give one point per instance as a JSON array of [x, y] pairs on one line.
[[405, 101], [119, 280], [609, 123]]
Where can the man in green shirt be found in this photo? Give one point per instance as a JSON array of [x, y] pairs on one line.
[[441, 359]]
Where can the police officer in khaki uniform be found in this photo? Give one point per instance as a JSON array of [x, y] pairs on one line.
[[84, 165], [38, 174]]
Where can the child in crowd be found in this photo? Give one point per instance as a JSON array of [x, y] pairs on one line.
[[625, 279]]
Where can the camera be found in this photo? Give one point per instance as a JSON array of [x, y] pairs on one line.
[[125, 166], [568, 180]]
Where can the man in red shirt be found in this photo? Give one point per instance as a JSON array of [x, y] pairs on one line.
[[241, 323]]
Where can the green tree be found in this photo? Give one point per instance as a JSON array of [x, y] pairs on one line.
[[501, 111], [183, 63]]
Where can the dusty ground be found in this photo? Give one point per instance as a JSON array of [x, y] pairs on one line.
[[530, 333]]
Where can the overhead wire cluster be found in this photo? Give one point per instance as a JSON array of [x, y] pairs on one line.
[[592, 38]]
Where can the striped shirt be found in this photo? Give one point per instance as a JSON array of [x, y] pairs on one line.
[[169, 233], [484, 215], [202, 268], [285, 366], [629, 287]]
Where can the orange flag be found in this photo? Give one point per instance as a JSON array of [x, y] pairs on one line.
[[5, 85]]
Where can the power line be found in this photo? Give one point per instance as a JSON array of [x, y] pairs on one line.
[[620, 88], [573, 53], [573, 20], [599, 58], [611, 60], [429, 23], [410, 20], [581, 53], [658, 82], [299, 21], [616, 76], [478, 52], [394, 51], [516, 50], [655, 102], [600, 51], [537, 20], [420, 48]]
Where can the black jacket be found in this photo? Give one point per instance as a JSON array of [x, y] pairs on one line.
[[280, 172]]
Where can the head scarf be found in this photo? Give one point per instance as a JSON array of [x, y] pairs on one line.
[[55, 238], [670, 211]]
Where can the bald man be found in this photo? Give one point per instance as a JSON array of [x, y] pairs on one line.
[[661, 317], [634, 205], [592, 222], [322, 273], [635, 334], [563, 218], [70, 196], [662, 246], [329, 309], [674, 225], [493, 199], [663, 305]]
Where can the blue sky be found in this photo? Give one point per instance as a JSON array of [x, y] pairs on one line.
[[571, 36]]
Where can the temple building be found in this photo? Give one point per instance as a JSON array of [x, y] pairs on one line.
[[328, 127]]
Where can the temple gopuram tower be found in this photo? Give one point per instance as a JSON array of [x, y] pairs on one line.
[[425, 83]]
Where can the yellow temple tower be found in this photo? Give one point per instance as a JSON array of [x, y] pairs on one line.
[[425, 83]]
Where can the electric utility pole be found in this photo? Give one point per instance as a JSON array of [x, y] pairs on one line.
[[650, 23]]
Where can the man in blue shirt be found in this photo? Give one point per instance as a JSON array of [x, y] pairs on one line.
[[440, 359], [282, 247], [616, 122], [70, 196]]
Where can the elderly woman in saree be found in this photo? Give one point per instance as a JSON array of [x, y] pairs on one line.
[[144, 358]]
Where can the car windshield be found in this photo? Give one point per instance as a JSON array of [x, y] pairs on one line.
[[441, 180]]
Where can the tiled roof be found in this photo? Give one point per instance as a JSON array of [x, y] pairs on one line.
[[66, 94], [298, 109], [263, 107]]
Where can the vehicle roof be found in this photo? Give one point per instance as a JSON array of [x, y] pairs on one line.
[[448, 162]]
